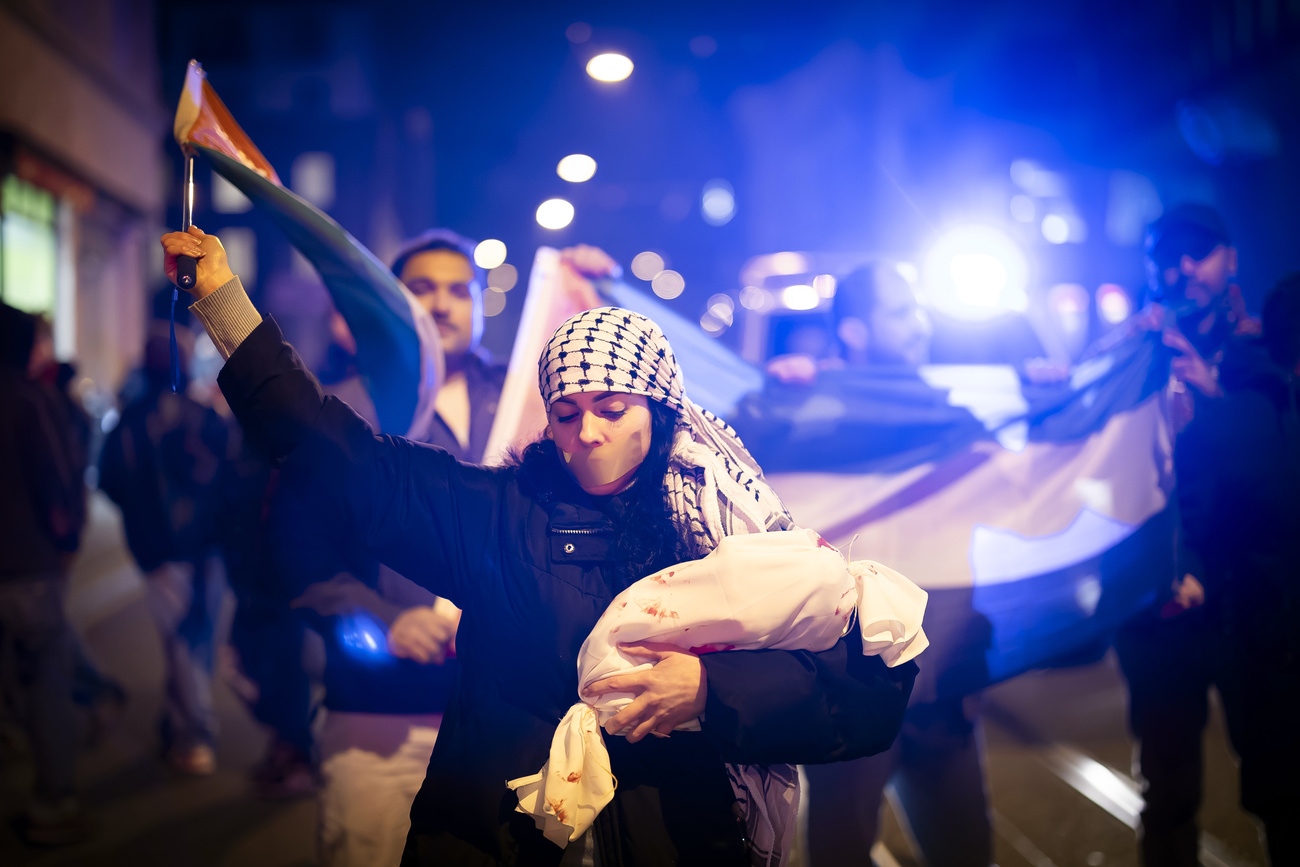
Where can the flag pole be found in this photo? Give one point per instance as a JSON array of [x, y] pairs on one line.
[[186, 266]]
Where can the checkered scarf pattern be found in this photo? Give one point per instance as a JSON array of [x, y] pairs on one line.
[[713, 487]]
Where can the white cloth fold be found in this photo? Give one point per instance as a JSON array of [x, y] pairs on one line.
[[787, 590]]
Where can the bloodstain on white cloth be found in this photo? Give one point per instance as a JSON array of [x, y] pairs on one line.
[[787, 590]]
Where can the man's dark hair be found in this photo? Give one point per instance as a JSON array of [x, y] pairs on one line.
[[855, 294], [17, 336], [439, 239], [1281, 319], [1189, 229]]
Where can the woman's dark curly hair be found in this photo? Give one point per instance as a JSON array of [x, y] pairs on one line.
[[646, 538]]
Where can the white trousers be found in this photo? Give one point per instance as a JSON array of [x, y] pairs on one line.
[[372, 766]]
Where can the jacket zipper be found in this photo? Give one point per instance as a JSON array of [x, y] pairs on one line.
[[579, 531]]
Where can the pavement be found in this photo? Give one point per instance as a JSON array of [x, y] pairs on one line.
[[1058, 763]]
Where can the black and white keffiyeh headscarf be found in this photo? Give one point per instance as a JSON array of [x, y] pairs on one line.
[[713, 487]]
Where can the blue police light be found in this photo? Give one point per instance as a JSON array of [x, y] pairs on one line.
[[975, 272], [363, 637]]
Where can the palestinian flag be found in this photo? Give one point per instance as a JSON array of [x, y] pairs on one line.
[[397, 342], [1036, 517]]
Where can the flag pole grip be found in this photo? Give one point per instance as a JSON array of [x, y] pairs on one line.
[[187, 266]]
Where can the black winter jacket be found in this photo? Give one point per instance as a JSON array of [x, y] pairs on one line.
[[532, 578]]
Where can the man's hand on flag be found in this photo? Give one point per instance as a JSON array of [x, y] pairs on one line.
[[1189, 366]]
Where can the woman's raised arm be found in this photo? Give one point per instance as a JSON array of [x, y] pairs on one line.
[[413, 507]]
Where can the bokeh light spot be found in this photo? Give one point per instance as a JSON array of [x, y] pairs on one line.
[[503, 277], [825, 285], [578, 32], [1113, 303], [756, 299], [609, 67], [789, 263], [576, 168], [554, 214], [646, 265], [668, 284], [489, 253], [800, 296], [1056, 229], [717, 202], [494, 301], [722, 308], [1022, 208], [712, 325]]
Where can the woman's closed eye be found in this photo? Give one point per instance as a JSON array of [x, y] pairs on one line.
[[565, 419]]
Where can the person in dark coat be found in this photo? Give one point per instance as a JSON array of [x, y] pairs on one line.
[[1238, 466], [164, 465], [533, 553], [1165, 651], [41, 511]]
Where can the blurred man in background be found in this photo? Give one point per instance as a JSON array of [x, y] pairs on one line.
[[163, 465], [42, 509], [935, 764], [1238, 466], [1167, 654]]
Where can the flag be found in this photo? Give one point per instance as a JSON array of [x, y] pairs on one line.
[[397, 342], [1036, 517]]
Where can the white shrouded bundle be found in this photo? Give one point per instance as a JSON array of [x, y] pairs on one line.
[[785, 590]]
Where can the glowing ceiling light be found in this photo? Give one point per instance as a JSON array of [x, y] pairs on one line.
[[668, 284], [800, 297], [554, 214], [489, 254], [646, 265], [609, 67], [576, 168]]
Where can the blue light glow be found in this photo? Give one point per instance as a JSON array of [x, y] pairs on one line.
[[976, 272], [363, 637]]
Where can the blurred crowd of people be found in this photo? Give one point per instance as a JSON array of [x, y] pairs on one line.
[[204, 514]]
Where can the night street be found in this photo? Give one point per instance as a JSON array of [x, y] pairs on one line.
[[1058, 756]]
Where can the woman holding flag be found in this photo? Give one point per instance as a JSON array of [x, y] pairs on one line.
[[632, 479]]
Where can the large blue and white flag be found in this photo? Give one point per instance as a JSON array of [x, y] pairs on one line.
[[1035, 516]]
